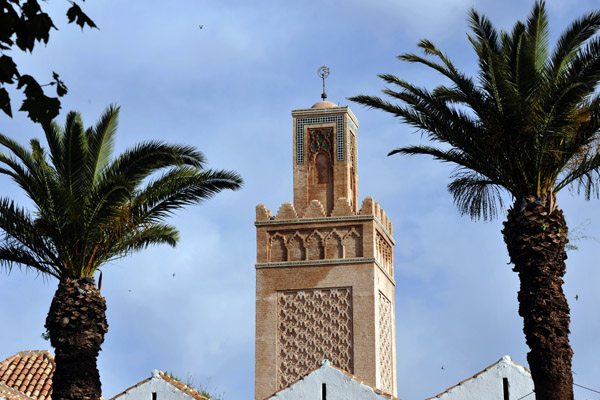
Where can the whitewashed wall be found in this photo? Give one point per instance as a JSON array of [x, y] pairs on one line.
[[488, 384], [338, 386], [163, 389]]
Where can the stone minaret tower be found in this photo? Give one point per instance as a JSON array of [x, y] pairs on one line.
[[325, 269]]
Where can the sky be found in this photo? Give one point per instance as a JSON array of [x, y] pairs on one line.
[[224, 76]]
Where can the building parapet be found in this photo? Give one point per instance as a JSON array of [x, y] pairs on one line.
[[315, 210]]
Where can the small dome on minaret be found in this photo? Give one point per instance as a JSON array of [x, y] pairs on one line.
[[324, 104]]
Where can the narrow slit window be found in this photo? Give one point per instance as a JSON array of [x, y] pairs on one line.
[[505, 388], [324, 391], [153, 395]]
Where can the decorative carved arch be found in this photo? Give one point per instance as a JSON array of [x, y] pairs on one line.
[[353, 244], [321, 179], [332, 233], [352, 232], [296, 236], [277, 248], [296, 247], [384, 254], [315, 246], [315, 233], [334, 247], [277, 235]]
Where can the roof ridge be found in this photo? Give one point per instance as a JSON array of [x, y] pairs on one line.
[[131, 387], [29, 372], [519, 365], [181, 386], [351, 376], [172, 381], [356, 378], [29, 353], [505, 358]]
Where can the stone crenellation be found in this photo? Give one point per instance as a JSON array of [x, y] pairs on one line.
[[342, 208], [315, 210], [371, 207], [286, 212]]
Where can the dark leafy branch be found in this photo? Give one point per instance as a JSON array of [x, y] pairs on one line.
[[23, 24]]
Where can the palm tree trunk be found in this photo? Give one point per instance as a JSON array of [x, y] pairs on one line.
[[536, 234], [76, 325]]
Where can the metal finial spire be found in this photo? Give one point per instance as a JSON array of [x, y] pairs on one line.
[[323, 72]]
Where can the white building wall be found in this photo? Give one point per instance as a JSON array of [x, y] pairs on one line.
[[338, 386], [488, 385], [163, 389]]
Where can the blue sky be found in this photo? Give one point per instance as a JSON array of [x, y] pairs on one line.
[[228, 89]]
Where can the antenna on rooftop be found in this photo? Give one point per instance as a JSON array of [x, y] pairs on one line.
[[323, 72]]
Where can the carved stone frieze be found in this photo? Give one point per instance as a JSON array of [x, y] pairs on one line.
[[312, 325], [384, 254], [386, 363], [315, 244]]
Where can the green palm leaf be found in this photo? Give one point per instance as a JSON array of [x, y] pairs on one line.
[[91, 207], [528, 116]]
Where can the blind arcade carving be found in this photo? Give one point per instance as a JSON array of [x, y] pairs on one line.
[[315, 244]]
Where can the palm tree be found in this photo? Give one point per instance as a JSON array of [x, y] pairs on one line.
[[527, 126], [91, 209]]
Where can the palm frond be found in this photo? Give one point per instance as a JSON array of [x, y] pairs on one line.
[[55, 136], [180, 187], [101, 141], [151, 235], [90, 208], [13, 255], [484, 30], [27, 181], [75, 155], [537, 32], [23, 234], [476, 196], [586, 176], [146, 158], [526, 125], [465, 91], [21, 153], [571, 40]]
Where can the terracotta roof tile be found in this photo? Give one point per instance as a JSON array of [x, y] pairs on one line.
[[6, 392], [29, 372], [182, 386]]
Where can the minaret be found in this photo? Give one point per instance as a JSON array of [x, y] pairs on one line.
[[325, 271]]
